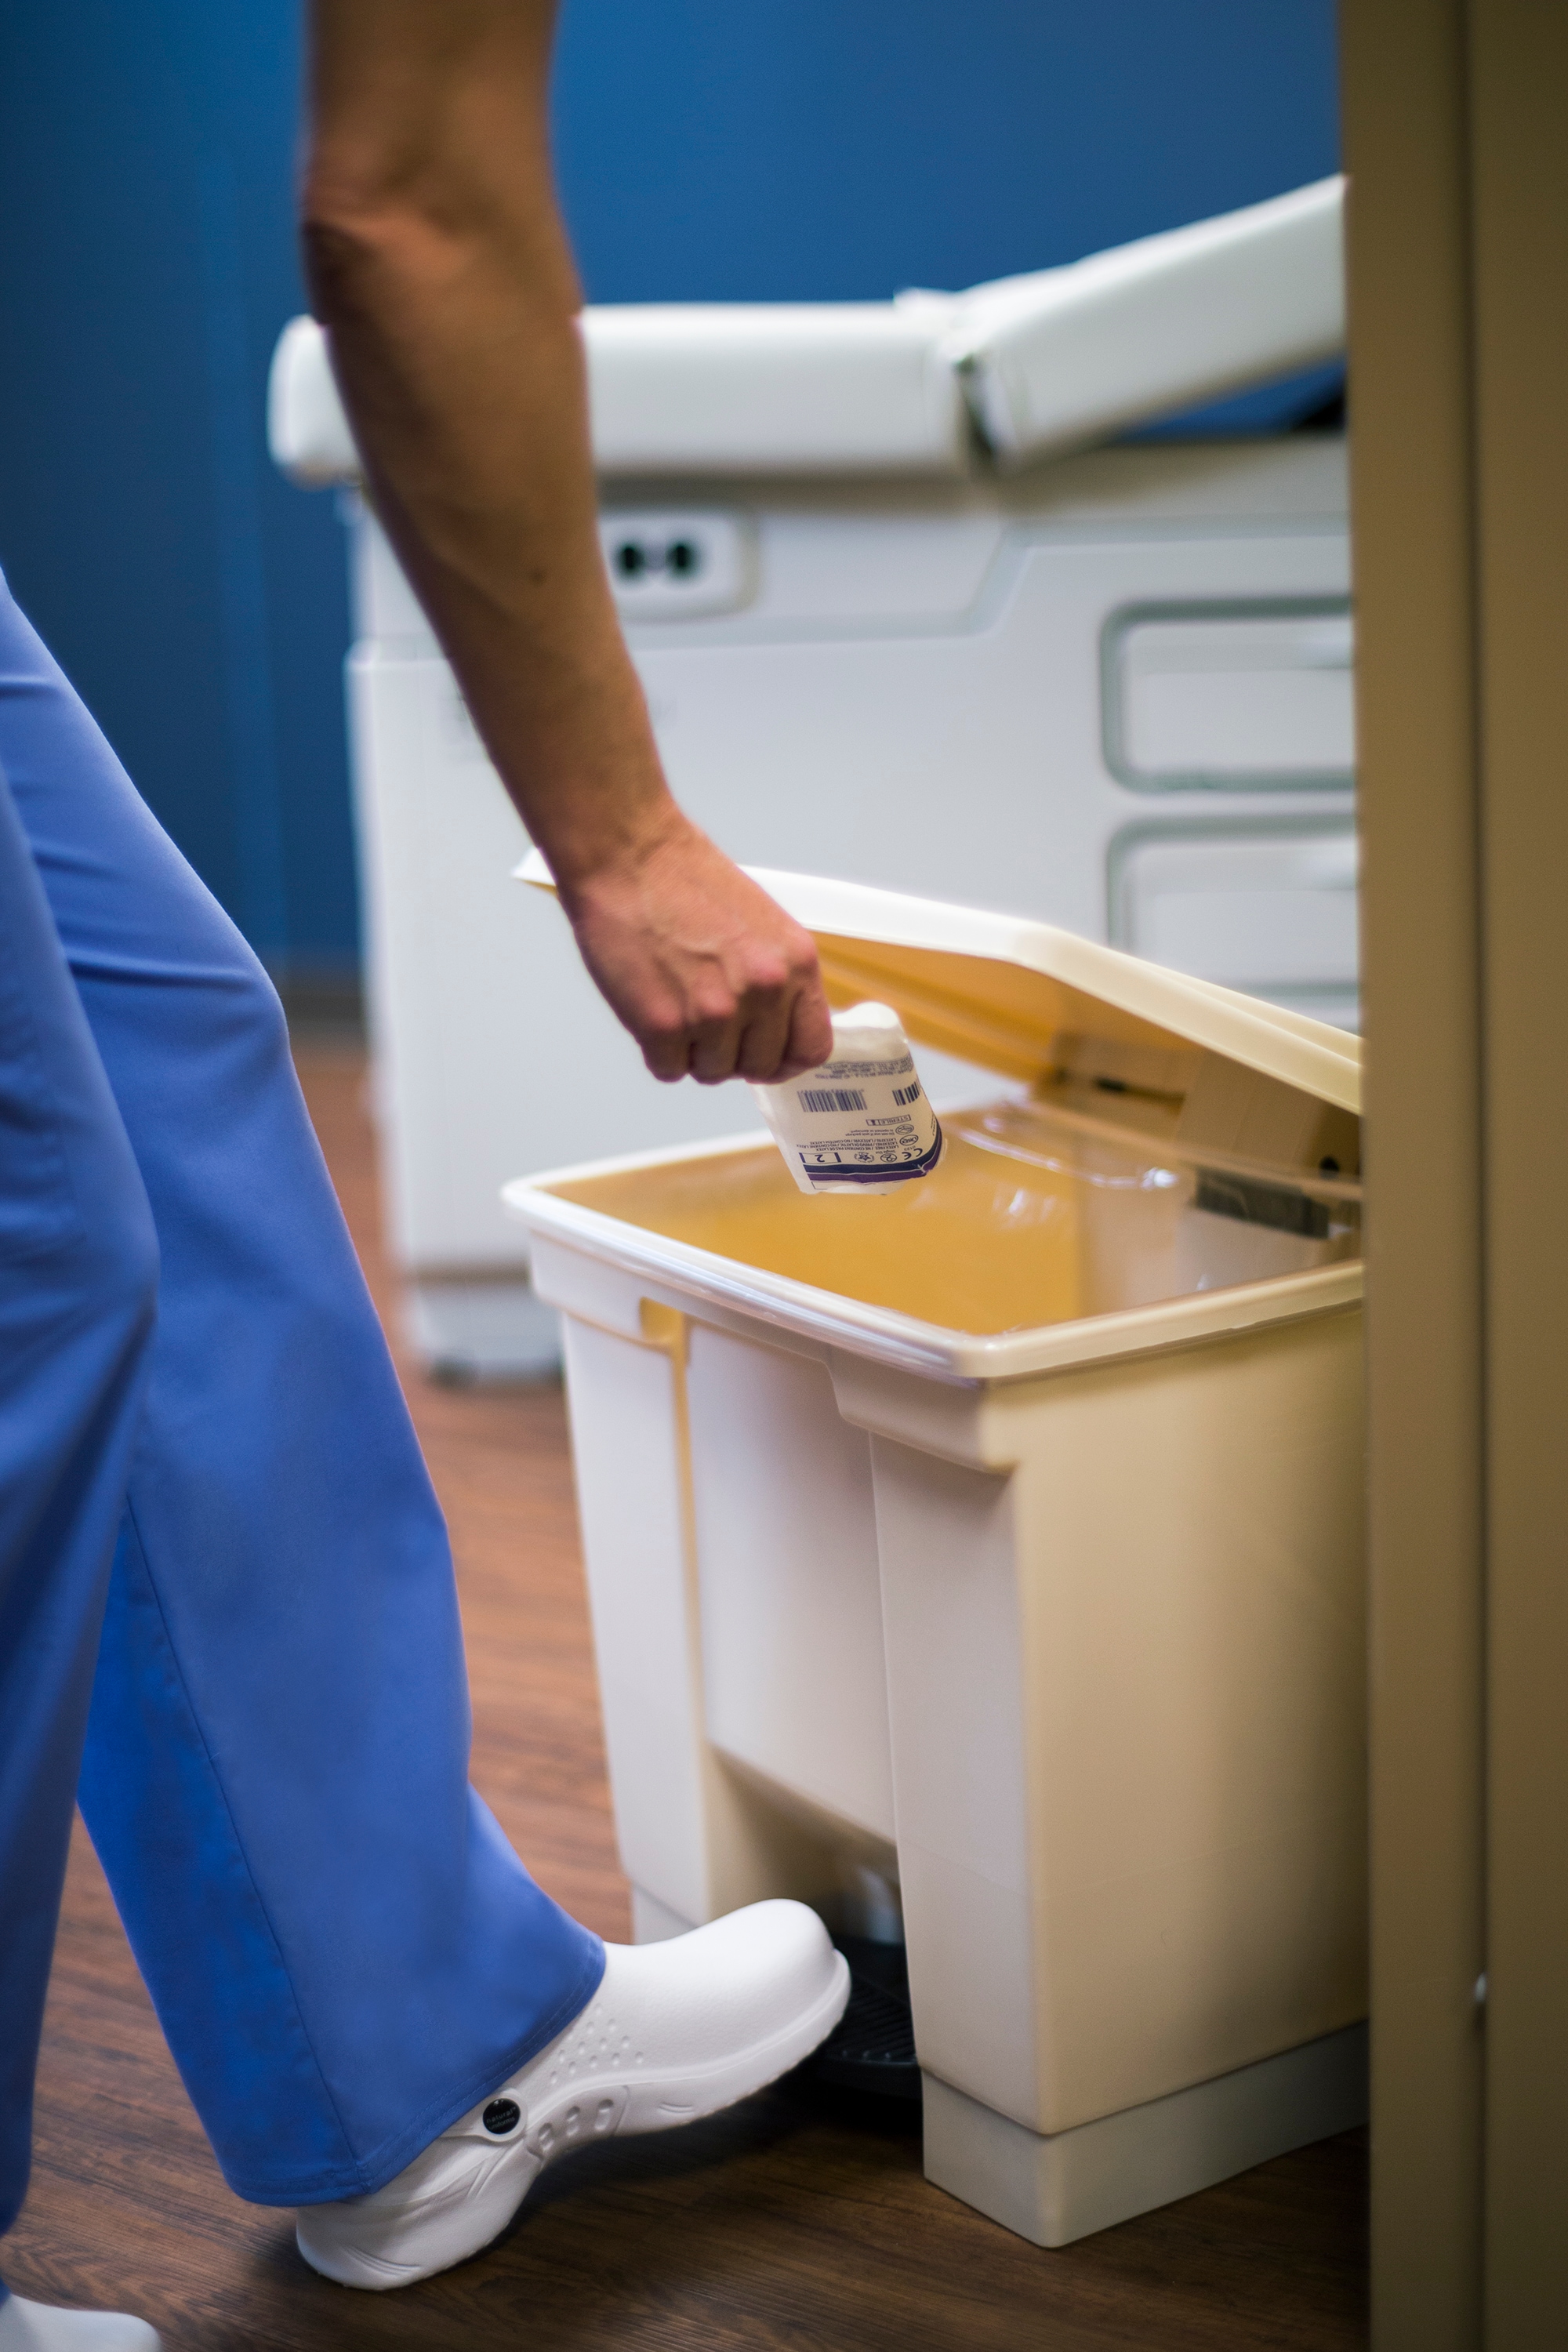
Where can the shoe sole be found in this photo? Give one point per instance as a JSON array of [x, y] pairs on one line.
[[473, 2212]]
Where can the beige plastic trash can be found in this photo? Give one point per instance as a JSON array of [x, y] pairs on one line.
[[1003, 1535]]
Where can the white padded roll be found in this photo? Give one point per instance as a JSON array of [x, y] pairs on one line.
[[704, 388], [1065, 357], [776, 387]]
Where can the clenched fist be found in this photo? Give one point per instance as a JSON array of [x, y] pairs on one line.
[[713, 979]]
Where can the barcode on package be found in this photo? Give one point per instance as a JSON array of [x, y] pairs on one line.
[[820, 1098], [902, 1095]]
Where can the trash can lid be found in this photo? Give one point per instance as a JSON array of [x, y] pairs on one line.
[[1017, 997]]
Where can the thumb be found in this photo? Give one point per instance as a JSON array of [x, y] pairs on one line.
[[810, 1038]]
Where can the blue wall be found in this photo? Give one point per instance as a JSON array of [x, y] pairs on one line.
[[800, 149], [146, 264], [770, 150]]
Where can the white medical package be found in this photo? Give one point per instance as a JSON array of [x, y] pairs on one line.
[[860, 1121]]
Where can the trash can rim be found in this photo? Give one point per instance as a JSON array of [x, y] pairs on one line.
[[932, 1350]]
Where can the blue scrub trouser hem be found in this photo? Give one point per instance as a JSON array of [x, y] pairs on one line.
[[389, 2159]]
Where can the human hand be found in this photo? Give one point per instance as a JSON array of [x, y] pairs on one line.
[[711, 976]]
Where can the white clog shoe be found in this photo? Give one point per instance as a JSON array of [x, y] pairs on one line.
[[674, 2032]]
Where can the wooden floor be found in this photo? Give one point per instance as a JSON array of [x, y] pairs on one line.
[[797, 2220]]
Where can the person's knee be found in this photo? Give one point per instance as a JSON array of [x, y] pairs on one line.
[[207, 1067], [264, 1006], [252, 1017]]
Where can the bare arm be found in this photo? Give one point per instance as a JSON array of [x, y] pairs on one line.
[[438, 262]]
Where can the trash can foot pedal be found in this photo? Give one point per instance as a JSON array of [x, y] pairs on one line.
[[872, 2047]]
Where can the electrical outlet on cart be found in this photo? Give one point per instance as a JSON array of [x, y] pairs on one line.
[[677, 566]]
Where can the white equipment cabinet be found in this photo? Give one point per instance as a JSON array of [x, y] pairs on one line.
[[898, 623]]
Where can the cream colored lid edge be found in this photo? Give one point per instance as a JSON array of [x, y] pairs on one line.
[[1310, 1055]]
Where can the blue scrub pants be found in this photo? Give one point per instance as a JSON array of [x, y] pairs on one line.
[[226, 1591]]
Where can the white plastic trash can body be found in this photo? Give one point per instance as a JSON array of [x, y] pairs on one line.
[[1113, 1732], [1060, 1624]]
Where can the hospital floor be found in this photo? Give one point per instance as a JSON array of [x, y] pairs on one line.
[[799, 2220]]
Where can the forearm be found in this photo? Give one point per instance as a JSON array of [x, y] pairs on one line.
[[437, 263]]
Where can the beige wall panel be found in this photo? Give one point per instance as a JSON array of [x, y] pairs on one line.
[[1519, 88], [1404, 122]]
